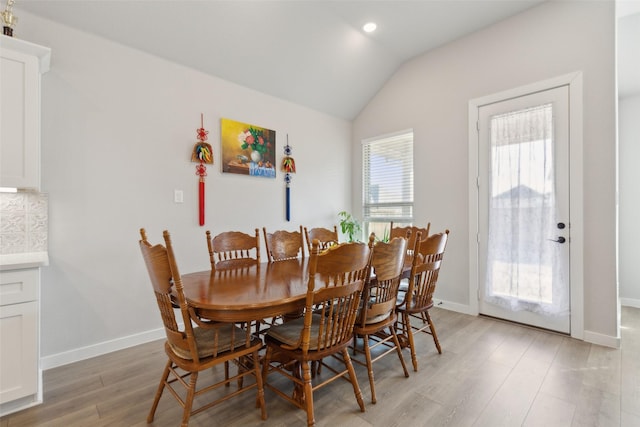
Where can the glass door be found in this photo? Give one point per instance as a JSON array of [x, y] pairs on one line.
[[524, 209]]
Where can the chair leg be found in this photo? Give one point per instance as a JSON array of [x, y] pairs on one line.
[[354, 346], [260, 403], [424, 315], [353, 378], [241, 361], [308, 393], [314, 368], [406, 319], [396, 341], [401, 331], [367, 354], [266, 360], [188, 401], [156, 399], [433, 332]]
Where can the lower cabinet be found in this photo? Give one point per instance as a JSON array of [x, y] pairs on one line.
[[19, 340]]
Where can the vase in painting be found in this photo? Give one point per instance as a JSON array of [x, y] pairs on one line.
[[256, 156]]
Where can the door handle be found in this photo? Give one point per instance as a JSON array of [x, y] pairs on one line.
[[559, 240]]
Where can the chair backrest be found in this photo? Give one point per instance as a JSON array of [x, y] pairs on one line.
[[282, 245], [381, 291], [427, 259], [336, 278], [410, 232], [165, 278], [233, 249], [325, 236]]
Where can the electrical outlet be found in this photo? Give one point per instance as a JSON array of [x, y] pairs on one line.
[[178, 196]]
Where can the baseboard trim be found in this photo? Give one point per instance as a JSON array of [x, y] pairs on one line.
[[454, 306], [600, 339], [20, 404], [630, 302], [78, 354]]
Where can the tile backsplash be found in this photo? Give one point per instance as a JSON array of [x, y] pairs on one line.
[[23, 222]]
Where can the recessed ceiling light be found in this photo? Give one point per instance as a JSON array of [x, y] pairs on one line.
[[369, 27]]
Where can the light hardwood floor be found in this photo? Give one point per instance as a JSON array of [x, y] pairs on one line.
[[491, 373]]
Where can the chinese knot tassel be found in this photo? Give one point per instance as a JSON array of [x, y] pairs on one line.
[[201, 200]]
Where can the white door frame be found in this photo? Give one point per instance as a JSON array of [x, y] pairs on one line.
[[576, 218]]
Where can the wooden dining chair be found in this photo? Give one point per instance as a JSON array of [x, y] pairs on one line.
[[194, 345], [336, 279], [377, 318], [325, 237], [418, 299], [282, 245], [410, 232], [232, 249]]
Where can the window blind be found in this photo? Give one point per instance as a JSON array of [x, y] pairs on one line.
[[388, 178]]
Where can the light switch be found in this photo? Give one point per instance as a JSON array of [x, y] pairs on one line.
[[178, 196]]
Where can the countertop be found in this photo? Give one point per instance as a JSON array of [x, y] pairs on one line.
[[23, 260]]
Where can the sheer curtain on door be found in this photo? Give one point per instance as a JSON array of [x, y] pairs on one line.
[[521, 260]]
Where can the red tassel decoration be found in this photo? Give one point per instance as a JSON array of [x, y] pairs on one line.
[[201, 153], [201, 171], [201, 200]]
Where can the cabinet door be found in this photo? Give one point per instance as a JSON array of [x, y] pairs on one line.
[[19, 120], [18, 351]]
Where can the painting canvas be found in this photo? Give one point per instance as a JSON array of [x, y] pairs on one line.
[[247, 149]]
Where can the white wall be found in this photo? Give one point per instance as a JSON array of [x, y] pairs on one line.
[[629, 238], [431, 93], [118, 129]]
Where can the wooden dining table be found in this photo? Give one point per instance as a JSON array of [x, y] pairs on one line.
[[252, 292], [248, 293]]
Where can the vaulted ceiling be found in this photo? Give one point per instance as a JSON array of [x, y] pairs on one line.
[[312, 53]]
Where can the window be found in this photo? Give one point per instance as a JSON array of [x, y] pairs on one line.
[[387, 165]]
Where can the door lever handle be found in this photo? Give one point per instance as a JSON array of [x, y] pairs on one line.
[[559, 240]]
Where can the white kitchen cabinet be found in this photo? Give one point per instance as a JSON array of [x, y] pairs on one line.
[[21, 66], [20, 374]]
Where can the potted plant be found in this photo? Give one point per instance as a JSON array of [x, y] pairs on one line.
[[350, 226], [386, 236]]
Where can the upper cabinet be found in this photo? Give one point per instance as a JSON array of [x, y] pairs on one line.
[[21, 66]]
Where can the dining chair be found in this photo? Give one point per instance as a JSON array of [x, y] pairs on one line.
[[283, 245], [410, 232], [231, 249], [335, 282], [378, 314], [194, 345], [235, 250], [325, 236], [418, 299]]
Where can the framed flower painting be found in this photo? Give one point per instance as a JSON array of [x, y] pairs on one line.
[[247, 149]]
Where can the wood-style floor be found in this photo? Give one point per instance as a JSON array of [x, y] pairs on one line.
[[491, 373]]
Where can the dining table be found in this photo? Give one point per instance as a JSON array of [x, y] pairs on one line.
[[248, 292], [253, 291]]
